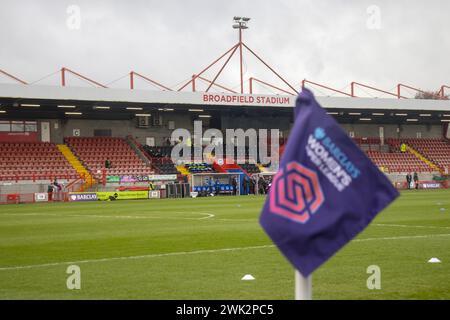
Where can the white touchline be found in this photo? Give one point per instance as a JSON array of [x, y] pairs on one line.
[[408, 226], [404, 237], [169, 254], [208, 216], [147, 256]]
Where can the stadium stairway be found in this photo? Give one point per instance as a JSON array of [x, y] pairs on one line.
[[76, 164], [421, 157], [138, 149]]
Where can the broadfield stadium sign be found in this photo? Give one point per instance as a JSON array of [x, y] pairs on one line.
[[144, 96], [248, 100]]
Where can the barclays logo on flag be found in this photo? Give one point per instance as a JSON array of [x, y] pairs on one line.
[[331, 160], [319, 133]]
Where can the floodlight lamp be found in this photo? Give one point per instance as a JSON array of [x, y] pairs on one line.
[[236, 18], [245, 19], [236, 26]]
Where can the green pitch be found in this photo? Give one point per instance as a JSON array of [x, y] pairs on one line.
[[201, 248]]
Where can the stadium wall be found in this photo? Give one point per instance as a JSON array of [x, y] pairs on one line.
[[394, 131], [121, 128]]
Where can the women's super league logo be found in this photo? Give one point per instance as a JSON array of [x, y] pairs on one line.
[[296, 193]]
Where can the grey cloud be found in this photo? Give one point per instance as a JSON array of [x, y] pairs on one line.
[[325, 41]]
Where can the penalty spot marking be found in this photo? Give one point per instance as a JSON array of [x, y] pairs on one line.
[[183, 253]]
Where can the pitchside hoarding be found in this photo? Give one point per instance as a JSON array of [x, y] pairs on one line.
[[41, 197], [431, 185], [117, 195], [145, 178], [122, 195], [82, 196]]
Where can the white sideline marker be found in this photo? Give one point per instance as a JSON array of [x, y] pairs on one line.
[[248, 277], [434, 260]]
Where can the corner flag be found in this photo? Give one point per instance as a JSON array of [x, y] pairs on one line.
[[325, 192]]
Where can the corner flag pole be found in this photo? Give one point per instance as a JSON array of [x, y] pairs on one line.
[[303, 286]]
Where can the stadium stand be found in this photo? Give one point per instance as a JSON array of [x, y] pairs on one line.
[[160, 159], [436, 150], [94, 151], [165, 168], [158, 152], [398, 162], [34, 161], [389, 156]]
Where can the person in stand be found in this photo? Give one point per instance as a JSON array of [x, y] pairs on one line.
[[234, 185], [408, 180], [416, 180], [217, 186], [206, 185], [50, 191], [268, 184], [210, 185], [403, 147], [107, 163], [252, 185], [261, 185], [57, 189], [246, 185]]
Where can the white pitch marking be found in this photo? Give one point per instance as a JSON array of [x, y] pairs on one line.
[[208, 216], [404, 237], [158, 255], [148, 256], [408, 226]]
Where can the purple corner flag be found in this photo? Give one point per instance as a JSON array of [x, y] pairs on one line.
[[325, 192]]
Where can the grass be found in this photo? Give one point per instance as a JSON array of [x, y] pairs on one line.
[[134, 238]]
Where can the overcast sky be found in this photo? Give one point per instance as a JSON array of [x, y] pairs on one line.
[[332, 42]]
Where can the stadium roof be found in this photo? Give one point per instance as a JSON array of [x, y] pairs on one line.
[[24, 93], [86, 99]]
